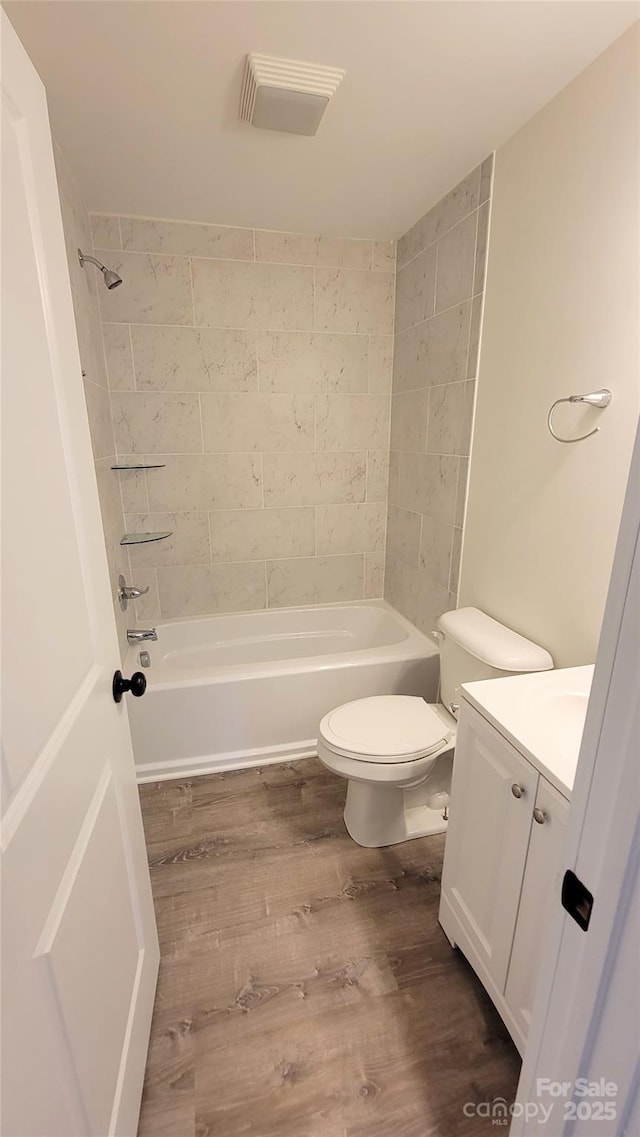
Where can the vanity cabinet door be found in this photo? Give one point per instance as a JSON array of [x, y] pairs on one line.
[[492, 796], [540, 891]]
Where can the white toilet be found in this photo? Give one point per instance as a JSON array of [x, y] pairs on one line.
[[397, 750]]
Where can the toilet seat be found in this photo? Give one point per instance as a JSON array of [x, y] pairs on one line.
[[384, 729]]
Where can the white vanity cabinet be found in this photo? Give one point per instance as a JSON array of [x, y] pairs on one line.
[[502, 868]]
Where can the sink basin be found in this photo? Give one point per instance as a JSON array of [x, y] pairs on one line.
[[565, 710], [562, 718], [542, 714]]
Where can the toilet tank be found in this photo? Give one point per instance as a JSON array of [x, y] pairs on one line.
[[474, 646]]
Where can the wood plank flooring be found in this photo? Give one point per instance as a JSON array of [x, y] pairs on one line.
[[306, 988]]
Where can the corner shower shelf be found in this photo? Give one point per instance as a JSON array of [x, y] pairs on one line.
[[143, 538], [139, 466]]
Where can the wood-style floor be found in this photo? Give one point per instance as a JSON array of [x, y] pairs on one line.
[[306, 988]]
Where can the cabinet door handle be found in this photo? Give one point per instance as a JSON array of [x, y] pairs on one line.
[[539, 815], [516, 790]]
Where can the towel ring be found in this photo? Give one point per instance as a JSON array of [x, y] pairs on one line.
[[599, 399]]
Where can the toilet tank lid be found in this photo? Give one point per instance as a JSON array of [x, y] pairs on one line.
[[492, 643]]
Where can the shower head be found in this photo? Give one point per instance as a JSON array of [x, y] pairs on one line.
[[111, 278]]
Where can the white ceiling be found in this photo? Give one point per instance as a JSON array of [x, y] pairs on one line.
[[144, 101]]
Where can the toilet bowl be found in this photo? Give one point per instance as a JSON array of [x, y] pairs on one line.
[[396, 751]]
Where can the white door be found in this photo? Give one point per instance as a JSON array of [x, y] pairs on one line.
[[493, 793], [540, 893], [79, 946], [586, 1021]]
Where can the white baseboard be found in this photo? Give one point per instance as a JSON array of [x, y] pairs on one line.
[[221, 763]]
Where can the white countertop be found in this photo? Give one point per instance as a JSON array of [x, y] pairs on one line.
[[541, 714]]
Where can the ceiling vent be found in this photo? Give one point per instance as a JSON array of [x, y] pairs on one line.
[[281, 94]]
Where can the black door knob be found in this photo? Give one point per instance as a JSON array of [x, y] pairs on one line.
[[137, 685]]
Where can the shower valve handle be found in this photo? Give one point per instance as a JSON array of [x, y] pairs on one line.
[[127, 592]]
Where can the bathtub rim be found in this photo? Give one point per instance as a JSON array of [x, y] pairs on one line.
[[415, 646]]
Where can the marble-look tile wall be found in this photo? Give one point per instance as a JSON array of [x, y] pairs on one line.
[[85, 283], [257, 368], [439, 296]]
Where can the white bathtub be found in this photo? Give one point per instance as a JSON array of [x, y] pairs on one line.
[[225, 692]]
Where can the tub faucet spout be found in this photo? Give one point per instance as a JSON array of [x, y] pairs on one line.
[[138, 635]]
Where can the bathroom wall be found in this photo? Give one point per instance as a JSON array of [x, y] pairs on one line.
[[256, 367], [561, 317], [85, 283], [439, 295]]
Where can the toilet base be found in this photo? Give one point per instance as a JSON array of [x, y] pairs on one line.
[[380, 815]]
